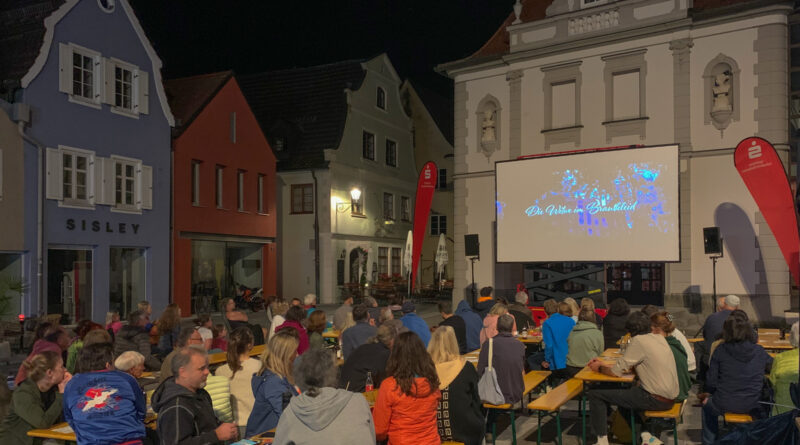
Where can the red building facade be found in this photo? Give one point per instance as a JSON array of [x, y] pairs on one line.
[[224, 218]]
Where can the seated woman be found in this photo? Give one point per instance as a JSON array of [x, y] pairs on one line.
[[735, 375], [205, 327], [273, 386], [37, 401], [784, 372], [169, 325], [240, 369], [458, 382], [317, 322], [278, 308], [490, 321], [239, 319], [322, 413], [131, 362], [294, 319], [405, 412], [585, 342]]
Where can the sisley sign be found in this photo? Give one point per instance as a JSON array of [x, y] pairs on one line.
[[99, 226]]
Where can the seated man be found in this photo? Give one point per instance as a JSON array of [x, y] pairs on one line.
[[185, 413], [508, 360], [102, 405], [340, 314], [650, 355], [455, 322], [472, 324], [186, 337], [357, 335], [415, 323], [369, 357], [135, 337], [519, 310]]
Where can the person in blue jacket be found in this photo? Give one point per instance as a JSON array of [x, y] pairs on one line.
[[273, 387], [473, 323], [103, 406], [415, 323], [555, 331]]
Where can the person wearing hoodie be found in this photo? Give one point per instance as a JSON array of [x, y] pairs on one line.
[[322, 413], [273, 385], [459, 416], [370, 357], [485, 301], [584, 343], [473, 324], [134, 337], [735, 375], [415, 323], [614, 323], [405, 412]]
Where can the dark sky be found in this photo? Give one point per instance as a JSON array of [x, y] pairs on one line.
[[195, 37]]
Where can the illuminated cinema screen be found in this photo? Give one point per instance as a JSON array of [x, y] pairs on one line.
[[606, 205]]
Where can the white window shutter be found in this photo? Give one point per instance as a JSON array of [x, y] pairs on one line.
[[103, 175], [55, 183], [108, 181], [108, 81], [146, 187], [143, 103], [90, 180], [64, 68]]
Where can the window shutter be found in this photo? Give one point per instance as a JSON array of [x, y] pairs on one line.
[[91, 178], [103, 181], [64, 68], [54, 188], [146, 186], [142, 104], [108, 77]]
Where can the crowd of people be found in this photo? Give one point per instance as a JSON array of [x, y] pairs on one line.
[[425, 388]]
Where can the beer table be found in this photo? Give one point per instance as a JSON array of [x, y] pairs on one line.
[[222, 357], [588, 376]]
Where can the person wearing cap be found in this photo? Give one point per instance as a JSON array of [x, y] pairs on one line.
[[415, 323], [485, 301], [712, 328], [357, 335]]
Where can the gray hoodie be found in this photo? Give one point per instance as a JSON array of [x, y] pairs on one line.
[[334, 416]]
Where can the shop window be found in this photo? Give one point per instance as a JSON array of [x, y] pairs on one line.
[[220, 268], [302, 198], [69, 283], [126, 279]]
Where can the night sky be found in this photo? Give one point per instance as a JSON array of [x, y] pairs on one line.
[[196, 37]]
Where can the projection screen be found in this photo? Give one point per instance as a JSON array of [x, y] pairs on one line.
[[615, 205]]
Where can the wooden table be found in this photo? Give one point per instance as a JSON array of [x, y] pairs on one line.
[[771, 339], [588, 376], [62, 431], [222, 357], [333, 333], [530, 339]]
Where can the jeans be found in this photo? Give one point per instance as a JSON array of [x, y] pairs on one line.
[[634, 398], [710, 422]]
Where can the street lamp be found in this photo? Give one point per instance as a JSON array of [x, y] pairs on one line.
[[355, 195]]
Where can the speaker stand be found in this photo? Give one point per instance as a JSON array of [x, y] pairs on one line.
[[714, 276], [474, 293]]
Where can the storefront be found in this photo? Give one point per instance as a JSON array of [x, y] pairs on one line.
[[220, 268]]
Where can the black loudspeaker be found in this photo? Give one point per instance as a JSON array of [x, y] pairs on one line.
[[471, 245], [711, 241]]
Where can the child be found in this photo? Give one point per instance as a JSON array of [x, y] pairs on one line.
[[220, 340], [112, 321]]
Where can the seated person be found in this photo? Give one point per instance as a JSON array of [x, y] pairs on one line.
[[735, 375], [295, 318], [52, 337], [340, 314], [102, 405], [168, 326], [455, 322], [472, 323], [490, 322], [652, 359], [519, 310], [185, 413], [555, 332], [134, 337], [357, 335], [317, 321], [370, 357], [651, 310], [614, 323], [784, 372], [322, 413], [508, 360], [485, 301], [131, 362], [37, 402], [238, 319], [239, 369], [584, 343], [273, 386], [187, 337], [415, 323]]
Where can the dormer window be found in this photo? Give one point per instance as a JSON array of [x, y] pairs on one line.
[[381, 98], [590, 3]]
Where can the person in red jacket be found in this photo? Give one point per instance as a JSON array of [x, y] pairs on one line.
[[405, 412]]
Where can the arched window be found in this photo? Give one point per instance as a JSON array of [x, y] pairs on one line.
[[381, 99]]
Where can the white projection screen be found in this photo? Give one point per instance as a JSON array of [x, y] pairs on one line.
[[598, 206]]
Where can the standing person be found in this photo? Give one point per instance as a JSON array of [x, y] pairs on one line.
[[322, 414], [37, 402], [485, 301], [735, 375], [358, 334], [294, 319], [103, 406], [187, 337], [415, 323], [523, 317], [405, 412], [459, 414], [472, 323], [584, 343], [185, 413], [614, 323], [455, 322], [317, 322], [169, 325], [273, 386], [53, 338], [555, 331], [371, 357], [240, 369], [134, 337], [340, 314], [508, 360], [490, 322]]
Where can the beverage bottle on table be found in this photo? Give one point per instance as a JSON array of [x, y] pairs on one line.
[[368, 385]]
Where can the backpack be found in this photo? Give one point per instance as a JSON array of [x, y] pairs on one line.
[[488, 388]]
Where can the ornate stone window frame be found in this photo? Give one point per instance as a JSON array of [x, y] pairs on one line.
[[555, 75], [627, 62], [715, 66]]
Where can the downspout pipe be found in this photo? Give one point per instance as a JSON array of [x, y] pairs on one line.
[[316, 237], [40, 211]]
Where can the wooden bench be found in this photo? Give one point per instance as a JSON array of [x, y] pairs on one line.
[[738, 418], [675, 414], [553, 401], [531, 381]]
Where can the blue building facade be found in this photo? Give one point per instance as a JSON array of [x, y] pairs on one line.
[[97, 164]]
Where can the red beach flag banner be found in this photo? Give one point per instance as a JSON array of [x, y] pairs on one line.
[[763, 174], [422, 208]]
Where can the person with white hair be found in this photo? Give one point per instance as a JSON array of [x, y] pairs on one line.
[[309, 303], [785, 372], [519, 310], [131, 362], [712, 328]]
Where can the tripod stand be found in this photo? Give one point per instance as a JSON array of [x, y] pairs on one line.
[[474, 291]]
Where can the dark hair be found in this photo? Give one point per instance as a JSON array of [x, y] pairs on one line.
[[619, 306], [662, 320], [446, 307], [550, 306], [295, 313], [408, 360], [586, 314], [650, 310], [183, 337], [54, 335], [239, 342], [638, 324], [42, 329], [737, 328], [84, 326], [313, 370], [360, 312], [135, 316], [505, 323], [486, 291], [565, 309], [95, 357], [317, 321], [202, 319]]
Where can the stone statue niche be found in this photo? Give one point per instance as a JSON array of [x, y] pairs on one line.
[[488, 118], [722, 91], [488, 133]]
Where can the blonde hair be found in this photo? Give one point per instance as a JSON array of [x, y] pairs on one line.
[[587, 302], [498, 309], [279, 308], [443, 346], [278, 355], [40, 363], [573, 305]]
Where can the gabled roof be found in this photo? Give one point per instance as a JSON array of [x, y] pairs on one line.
[[439, 108], [306, 106], [188, 96]]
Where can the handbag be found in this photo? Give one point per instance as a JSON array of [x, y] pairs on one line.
[[488, 388]]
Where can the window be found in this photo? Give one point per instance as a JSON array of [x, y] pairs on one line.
[[240, 190], [75, 177], [368, 146], [391, 153], [438, 224], [261, 207], [123, 88], [302, 198], [396, 261], [126, 88], [357, 205], [405, 208], [625, 95], [126, 280], [383, 260], [83, 75], [233, 127], [563, 104], [196, 183], [441, 179], [125, 173], [220, 174], [381, 98], [388, 207]]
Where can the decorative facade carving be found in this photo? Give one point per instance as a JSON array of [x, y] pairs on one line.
[[721, 78], [488, 120], [593, 22]]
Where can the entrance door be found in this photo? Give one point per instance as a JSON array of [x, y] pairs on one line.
[[126, 283], [69, 283]]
